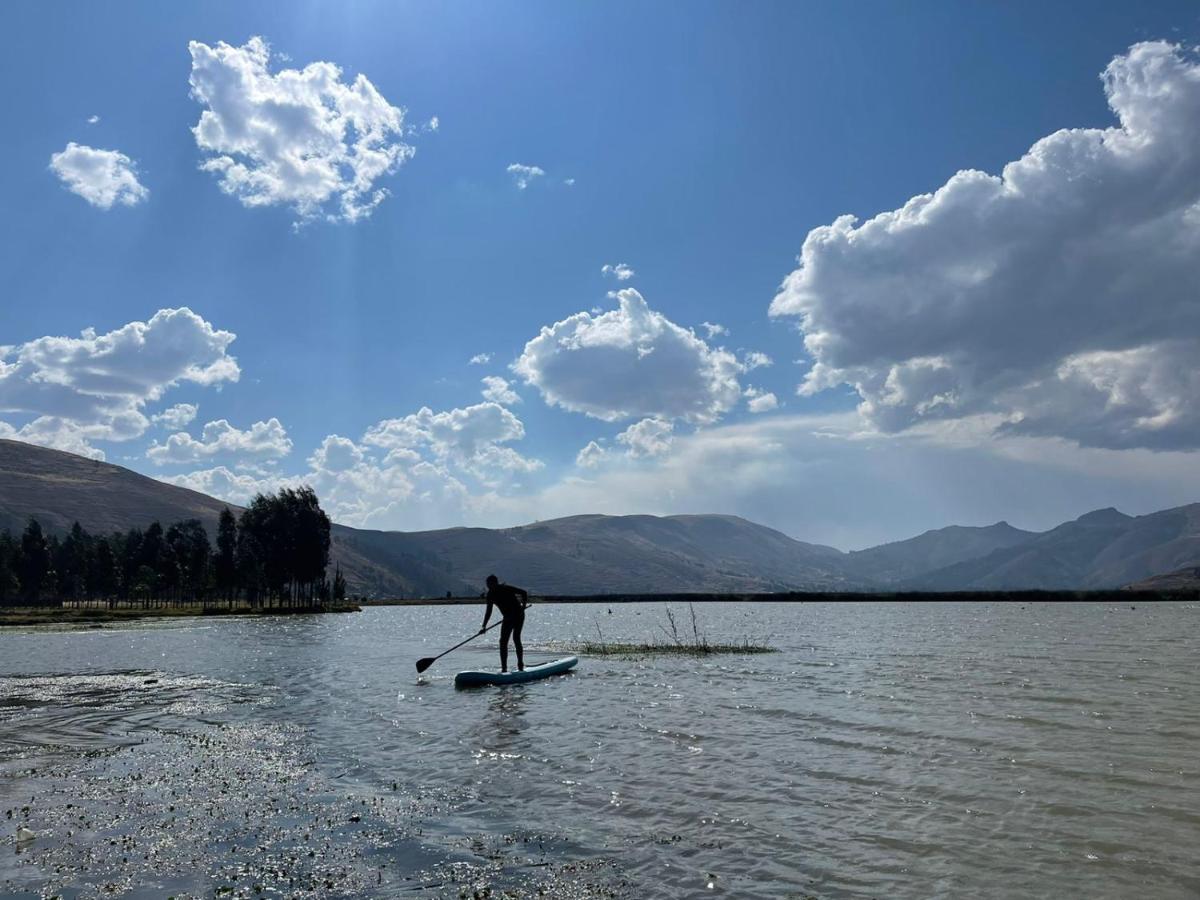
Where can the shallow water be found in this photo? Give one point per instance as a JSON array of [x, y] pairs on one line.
[[887, 750]]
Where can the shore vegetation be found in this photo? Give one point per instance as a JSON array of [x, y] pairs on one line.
[[274, 556]]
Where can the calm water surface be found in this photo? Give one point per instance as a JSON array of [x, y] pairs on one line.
[[887, 750]]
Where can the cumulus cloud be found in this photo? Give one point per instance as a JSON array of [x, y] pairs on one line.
[[480, 359], [714, 330], [428, 469], [627, 363], [336, 454], [101, 177], [523, 175], [649, 437], [92, 120], [756, 359], [59, 433], [498, 390], [620, 271], [94, 387], [181, 415], [468, 438], [300, 138], [591, 456], [225, 484], [759, 401], [1059, 296], [261, 441]]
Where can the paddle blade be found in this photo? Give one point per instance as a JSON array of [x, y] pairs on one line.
[[423, 664]]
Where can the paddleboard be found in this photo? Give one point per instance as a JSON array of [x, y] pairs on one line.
[[531, 673]]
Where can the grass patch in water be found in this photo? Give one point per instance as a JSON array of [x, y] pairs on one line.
[[662, 648], [675, 642]]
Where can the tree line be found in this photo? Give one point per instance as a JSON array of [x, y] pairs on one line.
[[275, 554]]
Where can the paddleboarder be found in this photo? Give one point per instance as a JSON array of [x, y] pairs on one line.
[[511, 601]]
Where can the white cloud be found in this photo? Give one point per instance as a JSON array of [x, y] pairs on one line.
[[469, 439], [301, 138], [429, 459], [758, 401], [631, 362], [649, 437], [237, 488], [523, 175], [591, 456], [94, 387], [569, 182], [181, 415], [92, 120], [101, 177], [1059, 296], [499, 391], [433, 124], [61, 434], [336, 454], [261, 441], [714, 330], [480, 359], [620, 271], [755, 359]]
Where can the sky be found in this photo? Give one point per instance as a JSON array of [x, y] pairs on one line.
[[850, 270]]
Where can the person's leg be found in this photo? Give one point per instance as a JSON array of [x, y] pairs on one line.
[[517, 643], [505, 631]]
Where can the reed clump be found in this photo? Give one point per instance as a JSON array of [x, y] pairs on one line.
[[676, 641]]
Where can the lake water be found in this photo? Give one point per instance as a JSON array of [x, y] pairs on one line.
[[886, 750]]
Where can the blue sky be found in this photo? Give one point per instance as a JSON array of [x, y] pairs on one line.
[[699, 144]]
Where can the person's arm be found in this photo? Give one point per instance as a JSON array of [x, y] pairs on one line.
[[524, 595], [487, 615]]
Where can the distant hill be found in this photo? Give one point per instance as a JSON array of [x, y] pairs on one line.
[[1103, 549], [577, 555], [1185, 579], [647, 554], [594, 554], [933, 550]]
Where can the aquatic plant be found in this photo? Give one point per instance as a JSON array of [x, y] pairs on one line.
[[674, 643]]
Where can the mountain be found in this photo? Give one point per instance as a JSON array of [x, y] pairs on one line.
[[1103, 549], [1185, 579], [615, 554], [577, 555], [593, 554], [933, 550]]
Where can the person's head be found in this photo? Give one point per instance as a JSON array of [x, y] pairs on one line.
[[492, 581]]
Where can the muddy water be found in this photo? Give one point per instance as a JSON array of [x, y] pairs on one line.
[[885, 751]]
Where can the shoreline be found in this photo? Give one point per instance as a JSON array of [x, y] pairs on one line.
[[24, 616], [1116, 595]]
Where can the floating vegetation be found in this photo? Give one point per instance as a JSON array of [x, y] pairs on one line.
[[674, 642], [662, 648]]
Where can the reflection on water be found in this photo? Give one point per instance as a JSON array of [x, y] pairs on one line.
[[886, 750]]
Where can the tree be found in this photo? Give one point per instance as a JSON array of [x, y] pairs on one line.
[[189, 551], [103, 574], [35, 570], [10, 588], [225, 564], [71, 564]]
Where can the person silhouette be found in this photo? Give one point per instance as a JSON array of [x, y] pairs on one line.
[[511, 601]]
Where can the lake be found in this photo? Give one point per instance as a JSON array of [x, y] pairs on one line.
[[887, 750]]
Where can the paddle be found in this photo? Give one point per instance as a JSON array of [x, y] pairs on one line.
[[425, 662]]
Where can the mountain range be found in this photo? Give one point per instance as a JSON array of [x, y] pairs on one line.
[[595, 554]]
